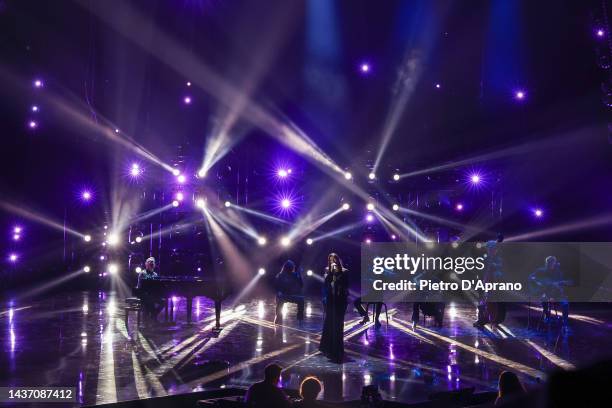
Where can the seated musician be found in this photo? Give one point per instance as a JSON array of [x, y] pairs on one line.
[[152, 304], [288, 284], [364, 313], [548, 282], [434, 309]]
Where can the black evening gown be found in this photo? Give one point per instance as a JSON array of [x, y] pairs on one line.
[[336, 298]]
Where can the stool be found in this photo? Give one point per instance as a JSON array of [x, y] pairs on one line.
[[132, 304], [373, 304]]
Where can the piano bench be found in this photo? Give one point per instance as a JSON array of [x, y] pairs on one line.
[[132, 304]]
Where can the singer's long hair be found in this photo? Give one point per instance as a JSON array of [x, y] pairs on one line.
[[330, 260]]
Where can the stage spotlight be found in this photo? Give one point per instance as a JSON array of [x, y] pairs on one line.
[[200, 203], [32, 124], [102, 257], [369, 218], [309, 272], [519, 94], [370, 206], [113, 269], [188, 83], [116, 130], [396, 207], [365, 68], [348, 175], [17, 230], [285, 203], [34, 108], [38, 83], [227, 204], [396, 177], [87, 238], [285, 241], [176, 172], [13, 257], [538, 212], [459, 207], [135, 170], [180, 196], [309, 241], [201, 173], [438, 86], [138, 269], [86, 195], [187, 100], [16, 237], [371, 176], [86, 269], [393, 237], [175, 203], [346, 206], [600, 33], [113, 239], [181, 178], [475, 178], [262, 241], [261, 271], [138, 239], [282, 173], [368, 241]]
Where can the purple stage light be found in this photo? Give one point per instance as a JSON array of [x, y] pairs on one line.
[[369, 218], [187, 100], [282, 173], [520, 94], [16, 237], [17, 230], [180, 196], [438, 86], [32, 124], [538, 213], [393, 237], [13, 257], [459, 207], [475, 178], [34, 108], [86, 195], [181, 178], [285, 203], [188, 83], [135, 170], [365, 68], [368, 241], [38, 83], [600, 32]]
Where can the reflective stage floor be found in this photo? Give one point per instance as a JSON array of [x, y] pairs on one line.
[[81, 340]]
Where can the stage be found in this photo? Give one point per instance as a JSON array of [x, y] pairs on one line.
[[80, 339]]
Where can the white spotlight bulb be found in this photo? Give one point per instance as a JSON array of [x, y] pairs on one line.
[[309, 241], [395, 207], [371, 176], [396, 177], [370, 206], [261, 271], [227, 203], [348, 175], [346, 206], [86, 269], [262, 241], [87, 238], [285, 241]]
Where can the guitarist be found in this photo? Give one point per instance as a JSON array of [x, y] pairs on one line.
[[547, 280]]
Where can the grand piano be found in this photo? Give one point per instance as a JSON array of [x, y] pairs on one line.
[[188, 287]]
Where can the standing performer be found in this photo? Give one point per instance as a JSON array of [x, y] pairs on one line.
[[288, 284], [335, 298], [491, 312]]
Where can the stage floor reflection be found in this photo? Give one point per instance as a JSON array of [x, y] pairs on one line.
[[81, 340]]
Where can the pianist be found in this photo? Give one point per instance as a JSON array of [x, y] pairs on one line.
[[152, 304], [288, 284]]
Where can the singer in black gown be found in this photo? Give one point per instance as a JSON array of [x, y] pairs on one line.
[[335, 298]]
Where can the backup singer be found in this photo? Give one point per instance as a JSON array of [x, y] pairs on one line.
[[335, 299], [288, 284]]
